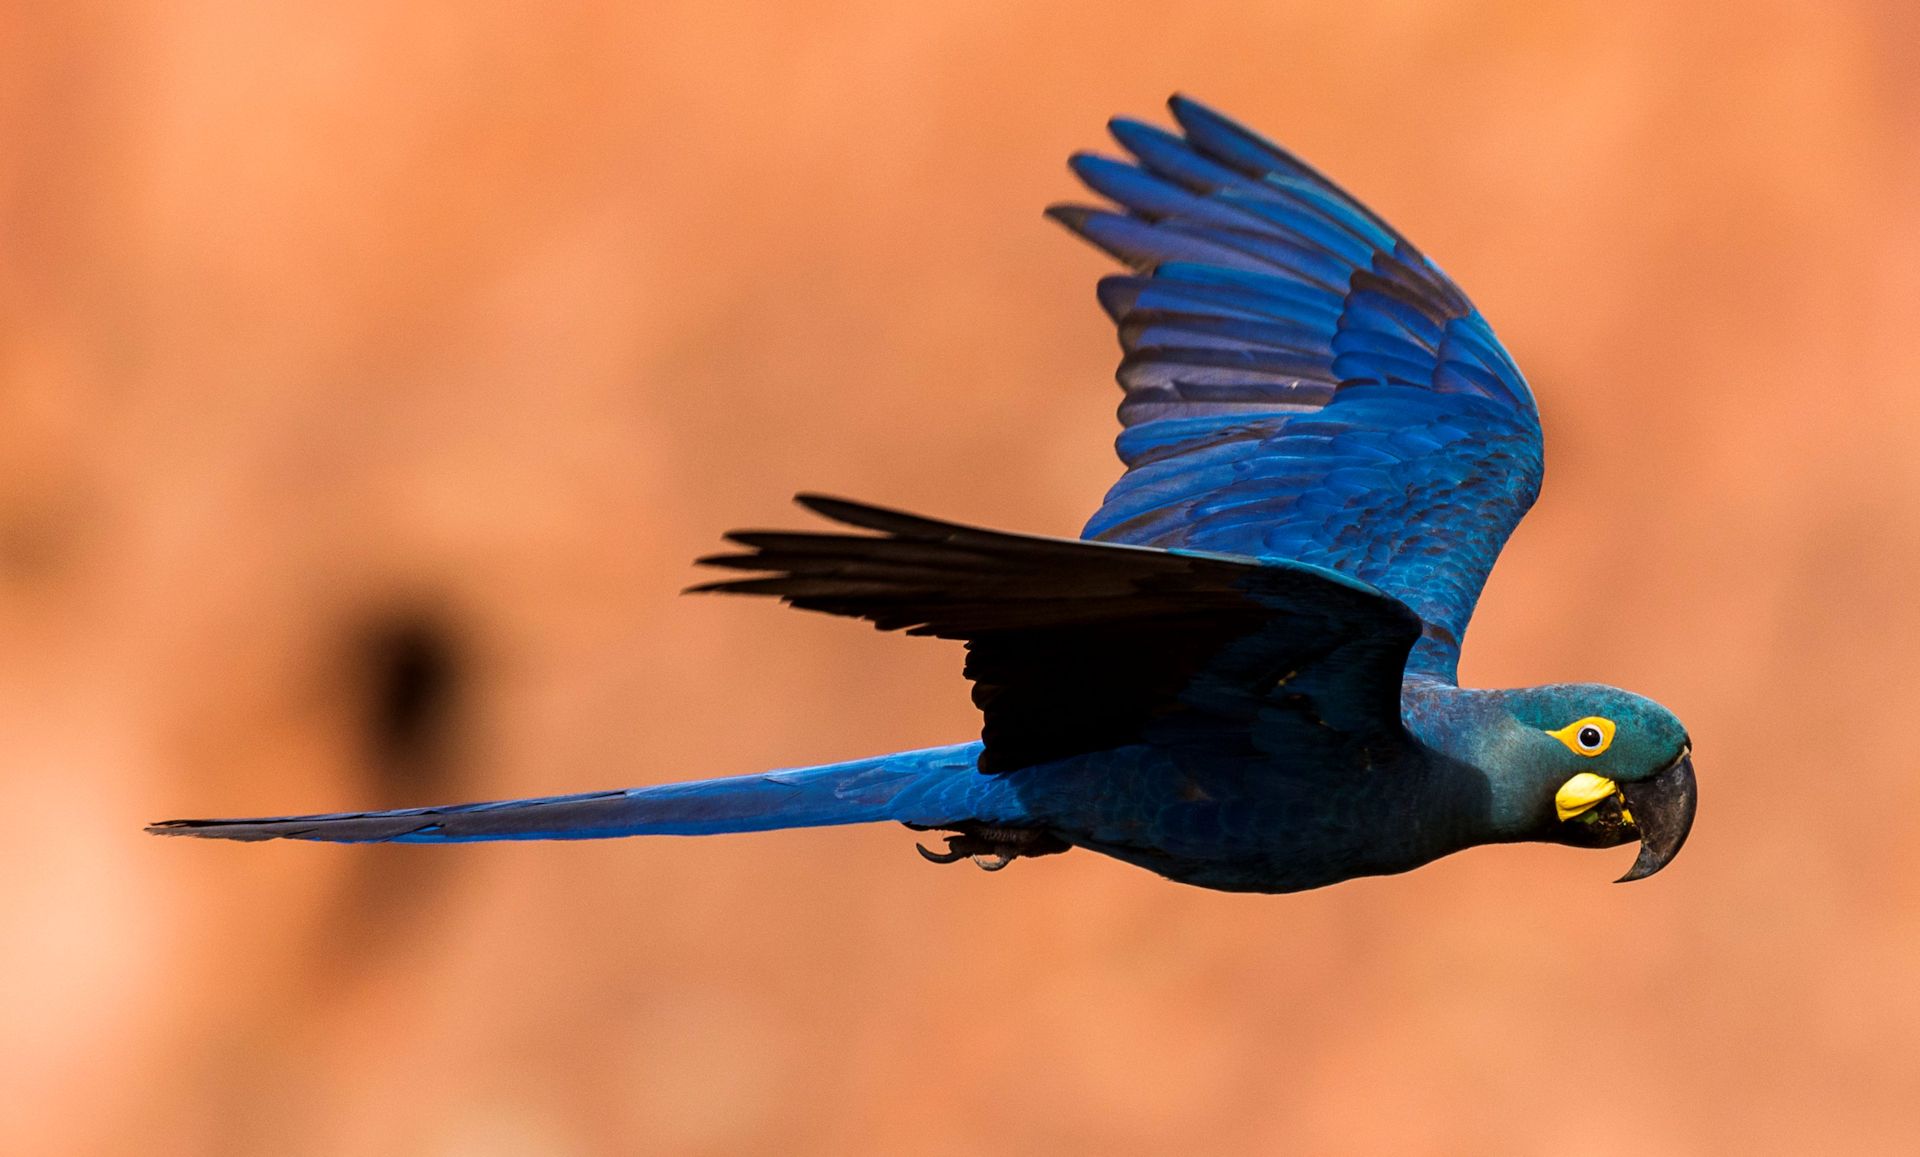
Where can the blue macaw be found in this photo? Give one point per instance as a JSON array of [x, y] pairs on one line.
[[1242, 674]]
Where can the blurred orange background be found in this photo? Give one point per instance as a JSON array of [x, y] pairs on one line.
[[370, 372]]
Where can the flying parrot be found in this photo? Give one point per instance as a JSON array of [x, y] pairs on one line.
[[1242, 675]]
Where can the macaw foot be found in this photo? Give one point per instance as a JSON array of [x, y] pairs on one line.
[[993, 848]]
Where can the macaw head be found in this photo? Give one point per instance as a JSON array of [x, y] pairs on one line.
[[1608, 766]]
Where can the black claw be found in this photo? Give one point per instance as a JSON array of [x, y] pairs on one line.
[[992, 848], [946, 857]]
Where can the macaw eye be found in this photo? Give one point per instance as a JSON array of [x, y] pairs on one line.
[[1589, 736]]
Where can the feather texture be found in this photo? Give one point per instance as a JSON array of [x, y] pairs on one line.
[[1242, 675], [1300, 381], [1076, 647]]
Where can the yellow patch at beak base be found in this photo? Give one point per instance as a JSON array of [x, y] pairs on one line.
[[1581, 793]]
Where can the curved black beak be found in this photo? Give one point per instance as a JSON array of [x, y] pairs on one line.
[[1662, 810]]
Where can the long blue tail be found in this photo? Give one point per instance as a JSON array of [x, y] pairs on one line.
[[936, 787]]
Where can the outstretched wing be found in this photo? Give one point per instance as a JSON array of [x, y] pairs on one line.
[[1300, 381], [1077, 646]]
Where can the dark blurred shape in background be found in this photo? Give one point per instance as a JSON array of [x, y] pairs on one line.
[[369, 373], [411, 674]]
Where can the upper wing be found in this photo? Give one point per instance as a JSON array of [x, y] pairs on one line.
[[1300, 381], [1079, 647]]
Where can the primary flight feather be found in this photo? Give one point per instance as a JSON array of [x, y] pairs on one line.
[[1243, 674]]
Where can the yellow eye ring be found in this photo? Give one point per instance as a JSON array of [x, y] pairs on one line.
[[1589, 736]]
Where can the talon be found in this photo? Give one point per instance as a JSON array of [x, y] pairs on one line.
[[992, 848], [946, 857]]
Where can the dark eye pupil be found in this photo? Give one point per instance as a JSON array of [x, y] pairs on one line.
[[1589, 737]]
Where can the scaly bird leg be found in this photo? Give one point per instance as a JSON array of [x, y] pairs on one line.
[[993, 848]]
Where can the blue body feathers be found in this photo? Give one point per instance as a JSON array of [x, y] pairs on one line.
[[1242, 675]]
